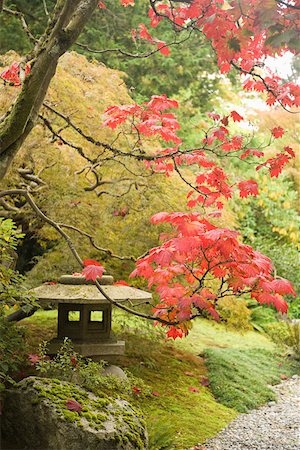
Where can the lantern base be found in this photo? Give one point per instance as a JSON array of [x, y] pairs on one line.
[[95, 350]]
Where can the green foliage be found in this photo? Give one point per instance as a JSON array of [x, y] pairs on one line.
[[239, 378], [235, 313], [190, 68], [10, 26], [261, 315], [67, 365], [12, 350], [12, 290], [286, 334], [12, 294], [161, 436]]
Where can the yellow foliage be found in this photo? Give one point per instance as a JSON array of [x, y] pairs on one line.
[[82, 91], [235, 313]]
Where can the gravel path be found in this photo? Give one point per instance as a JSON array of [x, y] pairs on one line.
[[275, 426]]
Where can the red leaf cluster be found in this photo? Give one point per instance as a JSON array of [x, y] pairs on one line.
[[149, 119], [12, 74], [182, 267], [241, 35]]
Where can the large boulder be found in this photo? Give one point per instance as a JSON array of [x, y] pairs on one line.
[[38, 414]]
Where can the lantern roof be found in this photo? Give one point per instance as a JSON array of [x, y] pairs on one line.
[[75, 289]]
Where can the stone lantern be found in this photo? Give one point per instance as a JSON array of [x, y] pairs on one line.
[[84, 314]]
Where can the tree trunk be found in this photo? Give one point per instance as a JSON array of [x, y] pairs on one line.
[[69, 18]]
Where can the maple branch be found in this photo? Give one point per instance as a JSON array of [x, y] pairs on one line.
[[79, 150], [133, 55], [288, 5], [45, 8], [21, 17], [58, 228], [41, 215], [270, 90], [96, 246], [186, 181]]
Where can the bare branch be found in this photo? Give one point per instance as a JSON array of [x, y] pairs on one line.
[[58, 228], [45, 8], [96, 246], [133, 55], [21, 17]]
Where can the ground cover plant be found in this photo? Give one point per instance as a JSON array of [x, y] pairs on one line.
[[231, 375]]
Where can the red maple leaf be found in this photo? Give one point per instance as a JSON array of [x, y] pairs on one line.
[[277, 132], [249, 187], [121, 283], [204, 381], [174, 333], [193, 389], [73, 405], [92, 269], [12, 74], [236, 117], [156, 394], [127, 2], [34, 359], [136, 390]]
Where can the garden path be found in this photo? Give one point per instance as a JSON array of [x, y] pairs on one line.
[[275, 426]]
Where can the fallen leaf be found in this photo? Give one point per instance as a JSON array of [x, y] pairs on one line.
[[193, 389], [136, 390], [156, 394], [204, 381], [73, 405]]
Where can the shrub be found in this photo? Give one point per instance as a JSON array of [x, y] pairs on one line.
[[12, 351], [12, 294], [286, 334], [235, 313]]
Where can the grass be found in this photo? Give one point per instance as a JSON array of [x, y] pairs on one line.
[[239, 368], [206, 334], [239, 379], [191, 417]]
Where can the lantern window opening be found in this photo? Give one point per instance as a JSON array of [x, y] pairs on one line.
[[96, 316], [74, 316]]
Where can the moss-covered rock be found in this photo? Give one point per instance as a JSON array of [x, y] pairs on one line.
[[36, 414]]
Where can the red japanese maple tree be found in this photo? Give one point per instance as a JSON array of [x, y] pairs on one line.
[[197, 262]]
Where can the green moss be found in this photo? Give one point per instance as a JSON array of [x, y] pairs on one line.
[[70, 416], [95, 412]]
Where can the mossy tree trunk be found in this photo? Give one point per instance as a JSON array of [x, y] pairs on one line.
[[68, 19]]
